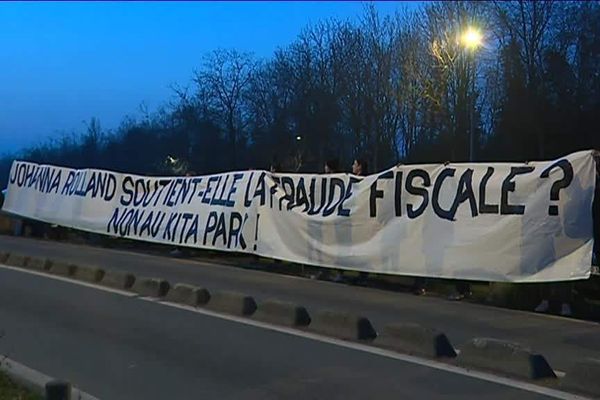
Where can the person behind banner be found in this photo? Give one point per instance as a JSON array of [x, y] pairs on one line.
[[462, 289], [331, 166], [360, 167], [562, 292], [596, 212], [178, 251], [559, 293], [275, 166]]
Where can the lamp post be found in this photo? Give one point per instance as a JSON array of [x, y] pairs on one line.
[[471, 40], [298, 155]]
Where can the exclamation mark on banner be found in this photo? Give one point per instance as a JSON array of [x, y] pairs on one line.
[[256, 232]]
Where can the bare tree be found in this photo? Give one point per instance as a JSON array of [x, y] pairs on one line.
[[223, 81], [528, 26]]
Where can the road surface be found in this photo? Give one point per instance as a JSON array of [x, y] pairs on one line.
[[115, 346], [562, 341]]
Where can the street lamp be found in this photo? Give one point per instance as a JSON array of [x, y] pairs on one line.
[[298, 155], [471, 39]]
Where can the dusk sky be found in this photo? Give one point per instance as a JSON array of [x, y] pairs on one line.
[[63, 63]]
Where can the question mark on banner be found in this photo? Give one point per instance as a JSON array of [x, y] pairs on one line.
[[566, 180]]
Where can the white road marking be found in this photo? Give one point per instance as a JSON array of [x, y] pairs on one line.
[[488, 377]]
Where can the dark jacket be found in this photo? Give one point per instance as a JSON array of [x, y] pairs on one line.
[[596, 212]]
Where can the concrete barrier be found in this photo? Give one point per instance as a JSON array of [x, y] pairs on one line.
[[415, 339], [583, 378], [505, 357], [117, 280], [188, 294], [34, 380], [151, 287], [58, 390], [342, 325], [16, 260], [231, 303], [39, 264], [89, 274], [62, 268], [282, 313]]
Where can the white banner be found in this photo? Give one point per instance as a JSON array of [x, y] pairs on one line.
[[492, 222]]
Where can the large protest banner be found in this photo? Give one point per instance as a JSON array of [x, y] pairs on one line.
[[494, 222]]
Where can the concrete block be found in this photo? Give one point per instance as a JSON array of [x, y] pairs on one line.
[[583, 378], [63, 268], [39, 264], [151, 287], [3, 256], [282, 313], [89, 274], [342, 325], [16, 260], [505, 357], [415, 339], [188, 294], [58, 390], [231, 303], [117, 280]]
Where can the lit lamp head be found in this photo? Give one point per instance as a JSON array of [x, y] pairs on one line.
[[471, 38]]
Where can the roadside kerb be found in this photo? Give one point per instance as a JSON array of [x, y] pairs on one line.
[[151, 287], [63, 268], [117, 280], [16, 260], [188, 294], [342, 325], [415, 339], [39, 264], [505, 357], [89, 274], [282, 313], [229, 302]]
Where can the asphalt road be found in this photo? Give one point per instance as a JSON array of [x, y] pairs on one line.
[[562, 341], [117, 347]]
